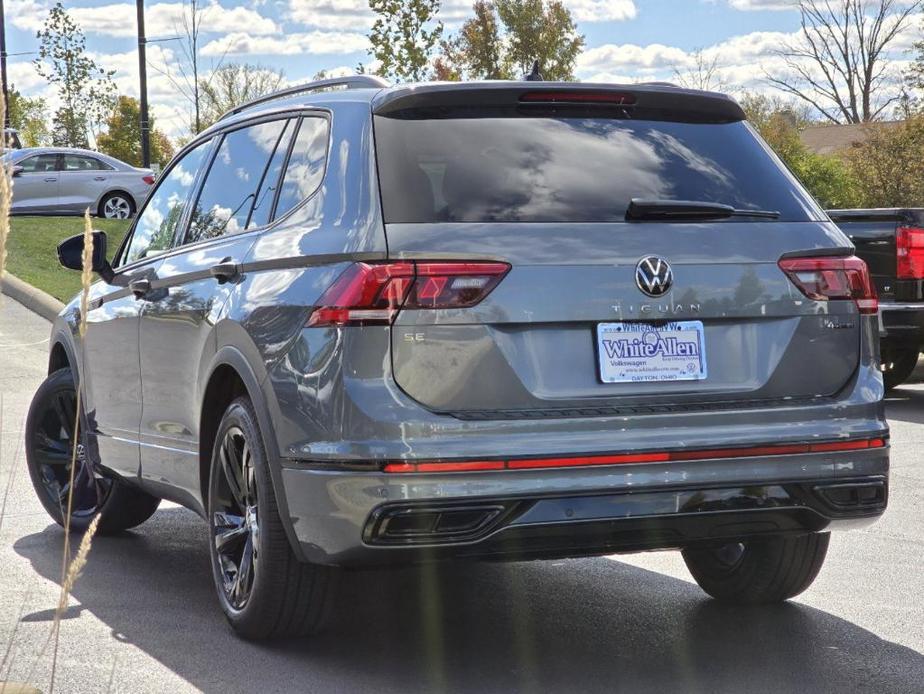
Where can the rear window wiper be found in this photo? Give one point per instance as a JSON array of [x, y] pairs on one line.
[[683, 210]]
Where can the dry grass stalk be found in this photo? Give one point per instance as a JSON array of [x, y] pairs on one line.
[[71, 568], [86, 276], [6, 195], [76, 565]]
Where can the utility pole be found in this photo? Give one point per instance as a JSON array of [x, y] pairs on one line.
[[6, 90], [143, 72]]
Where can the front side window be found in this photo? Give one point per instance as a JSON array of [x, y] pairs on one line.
[[77, 162], [230, 187], [157, 223], [40, 163], [306, 165]]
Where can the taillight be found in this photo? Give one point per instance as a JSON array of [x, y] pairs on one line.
[[826, 278], [909, 253], [373, 293], [148, 179]]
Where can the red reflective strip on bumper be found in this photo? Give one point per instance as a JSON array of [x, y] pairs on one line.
[[461, 466], [589, 460], [629, 458]]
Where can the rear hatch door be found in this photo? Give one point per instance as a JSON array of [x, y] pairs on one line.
[[546, 188]]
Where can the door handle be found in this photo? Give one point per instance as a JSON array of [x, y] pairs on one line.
[[99, 178], [226, 270], [50, 180], [139, 287]]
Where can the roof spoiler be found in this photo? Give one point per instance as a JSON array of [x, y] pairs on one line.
[[681, 103]]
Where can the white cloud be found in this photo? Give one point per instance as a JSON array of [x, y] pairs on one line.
[[355, 15], [602, 10], [332, 14], [26, 14], [740, 61], [313, 42], [161, 19], [629, 56], [763, 4]]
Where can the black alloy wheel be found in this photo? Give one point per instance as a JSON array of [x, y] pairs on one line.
[[235, 520], [51, 449], [264, 590]]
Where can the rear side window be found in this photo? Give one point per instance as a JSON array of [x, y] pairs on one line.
[[76, 162], [306, 165], [263, 205], [230, 187], [523, 169]]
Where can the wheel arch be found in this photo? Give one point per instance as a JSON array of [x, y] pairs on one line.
[[63, 351], [58, 358], [230, 375]]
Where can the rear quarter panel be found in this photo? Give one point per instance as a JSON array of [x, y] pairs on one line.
[[292, 263]]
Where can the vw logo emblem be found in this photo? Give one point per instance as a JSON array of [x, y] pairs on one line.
[[654, 276]]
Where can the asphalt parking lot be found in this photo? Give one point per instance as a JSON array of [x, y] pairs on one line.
[[143, 617]]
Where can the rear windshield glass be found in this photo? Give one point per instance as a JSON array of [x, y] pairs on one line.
[[573, 169]]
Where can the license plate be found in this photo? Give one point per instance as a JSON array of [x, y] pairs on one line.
[[640, 352]]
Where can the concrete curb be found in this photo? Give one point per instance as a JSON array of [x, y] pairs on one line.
[[33, 299]]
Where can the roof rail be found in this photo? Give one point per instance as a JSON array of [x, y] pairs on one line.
[[349, 82]]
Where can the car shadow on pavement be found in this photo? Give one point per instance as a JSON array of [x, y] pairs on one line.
[[576, 625]]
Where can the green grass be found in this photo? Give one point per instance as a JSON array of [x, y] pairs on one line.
[[31, 254]]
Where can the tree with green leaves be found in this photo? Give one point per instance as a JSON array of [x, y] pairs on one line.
[[888, 166], [830, 178], [29, 115], [540, 30], [478, 45], [504, 37], [122, 138], [234, 84], [404, 37], [86, 90]]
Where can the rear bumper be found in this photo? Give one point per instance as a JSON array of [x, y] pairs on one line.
[[367, 518]]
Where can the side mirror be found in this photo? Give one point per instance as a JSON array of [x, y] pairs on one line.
[[17, 171], [70, 255]]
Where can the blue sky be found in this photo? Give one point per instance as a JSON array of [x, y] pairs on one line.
[[627, 40]]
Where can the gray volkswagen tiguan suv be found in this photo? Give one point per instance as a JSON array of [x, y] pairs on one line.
[[358, 324]]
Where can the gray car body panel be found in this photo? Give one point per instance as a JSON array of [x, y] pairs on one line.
[[332, 399]]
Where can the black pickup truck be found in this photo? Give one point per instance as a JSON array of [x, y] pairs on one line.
[[891, 241]]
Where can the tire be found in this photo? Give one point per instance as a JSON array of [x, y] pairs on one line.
[[758, 571], [270, 594], [49, 451], [117, 206], [898, 365]]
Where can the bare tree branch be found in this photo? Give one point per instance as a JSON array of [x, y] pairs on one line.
[[840, 63]]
